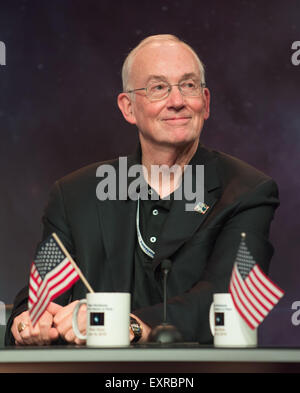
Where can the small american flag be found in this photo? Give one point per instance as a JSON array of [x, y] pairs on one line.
[[253, 293], [51, 274]]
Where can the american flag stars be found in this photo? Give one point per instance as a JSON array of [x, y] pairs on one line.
[[48, 257]]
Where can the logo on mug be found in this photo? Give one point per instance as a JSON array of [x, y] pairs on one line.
[[97, 319], [219, 319]]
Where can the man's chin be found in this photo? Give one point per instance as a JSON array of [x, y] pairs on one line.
[[176, 138], [182, 139]]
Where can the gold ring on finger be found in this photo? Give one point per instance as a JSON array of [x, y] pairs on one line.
[[21, 326]]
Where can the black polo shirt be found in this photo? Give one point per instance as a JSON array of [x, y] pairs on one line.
[[148, 289]]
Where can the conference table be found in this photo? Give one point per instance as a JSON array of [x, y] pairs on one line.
[[149, 358]]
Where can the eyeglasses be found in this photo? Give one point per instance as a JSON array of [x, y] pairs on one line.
[[159, 90]]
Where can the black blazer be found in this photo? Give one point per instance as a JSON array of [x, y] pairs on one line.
[[101, 236]]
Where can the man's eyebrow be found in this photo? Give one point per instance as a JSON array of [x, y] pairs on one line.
[[189, 75], [156, 77], [163, 77]]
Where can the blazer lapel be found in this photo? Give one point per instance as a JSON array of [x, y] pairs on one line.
[[118, 229], [118, 225]]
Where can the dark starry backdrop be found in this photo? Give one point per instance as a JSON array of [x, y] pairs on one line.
[[58, 109]]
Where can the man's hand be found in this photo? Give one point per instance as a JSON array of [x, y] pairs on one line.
[[43, 332], [63, 322], [57, 321]]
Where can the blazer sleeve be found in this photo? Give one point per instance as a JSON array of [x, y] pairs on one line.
[[189, 311]]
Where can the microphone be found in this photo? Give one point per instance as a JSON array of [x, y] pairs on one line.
[[165, 333]]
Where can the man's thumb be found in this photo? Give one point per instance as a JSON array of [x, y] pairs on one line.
[[53, 334], [53, 308]]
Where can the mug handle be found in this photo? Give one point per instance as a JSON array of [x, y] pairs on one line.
[[212, 319], [78, 334]]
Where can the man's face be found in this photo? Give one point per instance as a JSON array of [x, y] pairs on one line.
[[177, 119]]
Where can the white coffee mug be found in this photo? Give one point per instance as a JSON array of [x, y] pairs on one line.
[[227, 326], [107, 322]]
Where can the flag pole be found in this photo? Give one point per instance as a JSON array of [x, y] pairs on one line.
[[73, 263]]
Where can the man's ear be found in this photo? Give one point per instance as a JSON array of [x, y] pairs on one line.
[[206, 94], [125, 105]]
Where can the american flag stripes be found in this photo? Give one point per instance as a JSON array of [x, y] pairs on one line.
[[51, 274], [253, 293]]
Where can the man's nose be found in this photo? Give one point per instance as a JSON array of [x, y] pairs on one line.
[[175, 99]]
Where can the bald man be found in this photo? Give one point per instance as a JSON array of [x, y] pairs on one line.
[[119, 243]]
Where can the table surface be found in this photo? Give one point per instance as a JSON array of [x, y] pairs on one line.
[[148, 353]]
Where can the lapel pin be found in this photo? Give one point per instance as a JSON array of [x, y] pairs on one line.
[[201, 208]]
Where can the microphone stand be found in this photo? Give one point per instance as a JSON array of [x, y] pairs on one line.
[[165, 333]]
